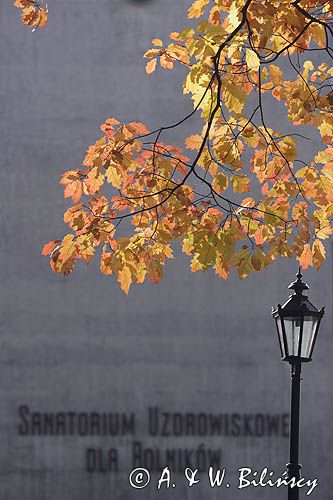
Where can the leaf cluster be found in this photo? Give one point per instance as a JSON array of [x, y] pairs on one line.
[[34, 13], [240, 194]]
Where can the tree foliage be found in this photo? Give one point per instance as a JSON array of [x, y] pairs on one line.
[[33, 13], [240, 194]]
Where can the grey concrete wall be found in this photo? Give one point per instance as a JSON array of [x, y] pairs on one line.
[[192, 344]]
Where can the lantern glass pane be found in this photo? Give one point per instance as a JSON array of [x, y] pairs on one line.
[[280, 333], [293, 329], [309, 331]]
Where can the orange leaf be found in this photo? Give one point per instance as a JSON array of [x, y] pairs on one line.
[[73, 190], [306, 258], [151, 53], [193, 142], [138, 128], [49, 247], [151, 66], [166, 62], [259, 237], [319, 253]]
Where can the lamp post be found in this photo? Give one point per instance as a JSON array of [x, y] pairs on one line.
[[297, 323]]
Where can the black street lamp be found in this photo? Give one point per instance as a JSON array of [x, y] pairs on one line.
[[297, 323]]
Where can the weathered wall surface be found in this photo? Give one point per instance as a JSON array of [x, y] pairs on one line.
[[193, 344]]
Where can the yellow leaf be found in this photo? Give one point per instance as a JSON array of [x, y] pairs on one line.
[[125, 279], [276, 74], [113, 176], [240, 183], [67, 249], [252, 60], [197, 8], [288, 148], [220, 182], [157, 42], [326, 127], [85, 248], [233, 96], [179, 53], [234, 15], [319, 34], [94, 180], [325, 156]]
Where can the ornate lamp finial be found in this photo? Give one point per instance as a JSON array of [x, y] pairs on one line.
[[298, 285]]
